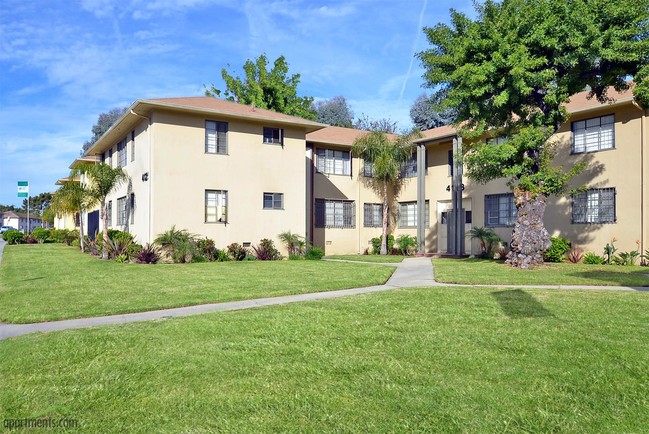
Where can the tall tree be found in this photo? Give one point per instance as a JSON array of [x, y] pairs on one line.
[[513, 69], [37, 203], [425, 113], [335, 111], [104, 122], [384, 125], [73, 198], [272, 90], [102, 181], [387, 157]]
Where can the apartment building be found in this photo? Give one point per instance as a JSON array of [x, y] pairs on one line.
[[236, 173]]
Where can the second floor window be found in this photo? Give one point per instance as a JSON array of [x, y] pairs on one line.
[[500, 209], [121, 153], [593, 134], [409, 168], [216, 137], [335, 213], [273, 135], [333, 162]]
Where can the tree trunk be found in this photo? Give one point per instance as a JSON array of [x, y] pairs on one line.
[[81, 240], [530, 238], [104, 221], [384, 235]]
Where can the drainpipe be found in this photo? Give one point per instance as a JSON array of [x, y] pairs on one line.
[[642, 177]]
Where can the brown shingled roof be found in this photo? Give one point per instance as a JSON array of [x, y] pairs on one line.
[[230, 108], [579, 102]]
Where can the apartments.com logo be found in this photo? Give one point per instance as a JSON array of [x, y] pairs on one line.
[[44, 422]]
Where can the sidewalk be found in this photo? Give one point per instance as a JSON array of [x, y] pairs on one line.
[[412, 272]]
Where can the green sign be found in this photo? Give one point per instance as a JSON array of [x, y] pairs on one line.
[[23, 189]]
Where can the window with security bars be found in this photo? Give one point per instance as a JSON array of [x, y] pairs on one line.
[[273, 201], [593, 134], [500, 210], [408, 215], [109, 214], [373, 215], [333, 162], [121, 211], [273, 135], [596, 205], [368, 169], [216, 137], [121, 153], [409, 168], [335, 213], [216, 202]]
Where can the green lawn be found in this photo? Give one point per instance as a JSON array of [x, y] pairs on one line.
[[369, 258], [51, 281], [482, 271], [416, 360]]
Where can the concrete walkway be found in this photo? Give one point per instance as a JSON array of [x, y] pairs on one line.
[[412, 272]]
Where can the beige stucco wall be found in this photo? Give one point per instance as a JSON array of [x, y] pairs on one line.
[[182, 171]]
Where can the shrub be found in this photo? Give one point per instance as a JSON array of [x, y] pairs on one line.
[[294, 243], [76, 243], [133, 250], [627, 258], [207, 249], [237, 252], [295, 257], [199, 258], [29, 239], [13, 237], [250, 258], [148, 255], [266, 251], [179, 244], [557, 251], [222, 256], [407, 244], [314, 253], [575, 255], [593, 259], [376, 244], [609, 251], [121, 258], [41, 234], [488, 240], [119, 246]]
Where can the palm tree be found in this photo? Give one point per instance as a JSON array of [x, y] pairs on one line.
[[103, 180], [72, 198], [487, 238], [294, 243], [386, 157]]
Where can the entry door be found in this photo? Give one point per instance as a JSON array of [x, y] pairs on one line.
[[444, 217], [93, 224]]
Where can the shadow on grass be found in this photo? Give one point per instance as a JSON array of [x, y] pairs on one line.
[[516, 303], [33, 278], [616, 278]]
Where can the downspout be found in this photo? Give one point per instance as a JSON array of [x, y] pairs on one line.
[[149, 179], [642, 177]]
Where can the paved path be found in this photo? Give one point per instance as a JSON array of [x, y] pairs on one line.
[[412, 272]]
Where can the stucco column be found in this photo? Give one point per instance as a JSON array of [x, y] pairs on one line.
[[456, 199], [421, 198]]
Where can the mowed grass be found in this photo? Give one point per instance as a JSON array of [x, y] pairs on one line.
[[416, 360], [482, 271], [368, 258], [51, 282]]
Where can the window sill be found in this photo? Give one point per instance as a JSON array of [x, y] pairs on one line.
[[216, 153], [594, 223], [216, 223], [273, 209], [333, 174], [573, 152]]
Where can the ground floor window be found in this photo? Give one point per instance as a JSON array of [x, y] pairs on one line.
[[216, 202], [335, 213], [408, 215], [500, 209], [596, 205], [373, 215], [121, 211], [273, 201]]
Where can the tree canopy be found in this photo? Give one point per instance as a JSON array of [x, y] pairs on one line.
[[384, 125], [335, 111], [510, 72], [37, 203], [104, 122], [272, 90], [425, 113]]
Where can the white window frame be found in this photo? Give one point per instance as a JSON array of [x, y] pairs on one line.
[[216, 137], [333, 161], [596, 205], [273, 201], [408, 214], [274, 136], [593, 134], [122, 214], [216, 206], [500, 210]]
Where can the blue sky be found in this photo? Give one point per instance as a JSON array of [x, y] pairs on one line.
[[63, 62]]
